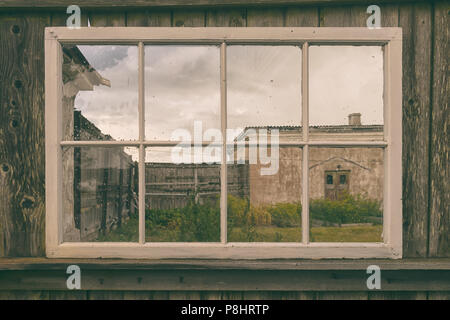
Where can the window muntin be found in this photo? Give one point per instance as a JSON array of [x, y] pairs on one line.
[[304, 144]]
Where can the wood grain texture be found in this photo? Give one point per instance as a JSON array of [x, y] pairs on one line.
[[226, 18], [356, 16], [266, 17], [383, 295], [107, 19], [302, 17], [22, 192], [40, 263], [227, 280], [439, 243], [188, 18], [415, 19], [338, 295], [149, 18], [59, 18], [219, 295], [343, 16], [175, 3], [439, 295]]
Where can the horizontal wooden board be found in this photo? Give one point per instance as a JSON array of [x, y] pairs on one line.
[[227, 280], [217, 35], [174, 3], [178, 264]]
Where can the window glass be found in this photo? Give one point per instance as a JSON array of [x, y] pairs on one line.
[[346, 211], [100, 194], [182, 91], [182, 198], [264, 109], [346, 92], [100, 83]]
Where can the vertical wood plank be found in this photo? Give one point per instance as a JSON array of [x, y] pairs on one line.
[[105, 295], [342, 295], [188, 18], [59, 18], [160, 295], [389, 295], [302, 17], [149, 18], [211, 295], [439, 243], [299, 295], [265, 17], [24, 295], [68, 295], [184, 295], [439, 295], [138, 295], [137, 18], [22, 159], [389, 15], [107, 19], [415, 19], [356, 16], [233, 295], [226, 17], [343, 16]]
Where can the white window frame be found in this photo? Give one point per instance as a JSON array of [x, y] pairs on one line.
[[389, 38]]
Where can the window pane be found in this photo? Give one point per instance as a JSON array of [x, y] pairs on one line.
[[351, 208], [100, 187], [346, 92], [182, 91], [182, 195], [264, 106], [264, 88], [264, 195], [100, 83]]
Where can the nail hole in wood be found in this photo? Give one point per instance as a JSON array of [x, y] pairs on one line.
[[14, 123], [27, 202], [15, 29], [18, 84]]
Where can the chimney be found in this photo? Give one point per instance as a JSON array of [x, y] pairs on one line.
[[354, 119]]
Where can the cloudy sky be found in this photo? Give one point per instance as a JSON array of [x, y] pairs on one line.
[[264, 87]]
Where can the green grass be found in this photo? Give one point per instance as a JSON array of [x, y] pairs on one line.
[[318, 234], [361, 233]]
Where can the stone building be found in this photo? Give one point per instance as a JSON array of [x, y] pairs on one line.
[[332, 171]]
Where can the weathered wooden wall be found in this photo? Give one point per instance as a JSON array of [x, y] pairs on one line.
[[425, 108], [218, 295]]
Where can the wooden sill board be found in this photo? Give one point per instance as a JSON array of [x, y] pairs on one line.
[[213, 275], [199, 264]]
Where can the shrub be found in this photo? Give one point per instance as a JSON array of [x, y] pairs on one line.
[[286, 214], [349, 209], [200, 222]]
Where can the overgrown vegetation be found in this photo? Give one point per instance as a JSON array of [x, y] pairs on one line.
[[268, 222], [349, 209]]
